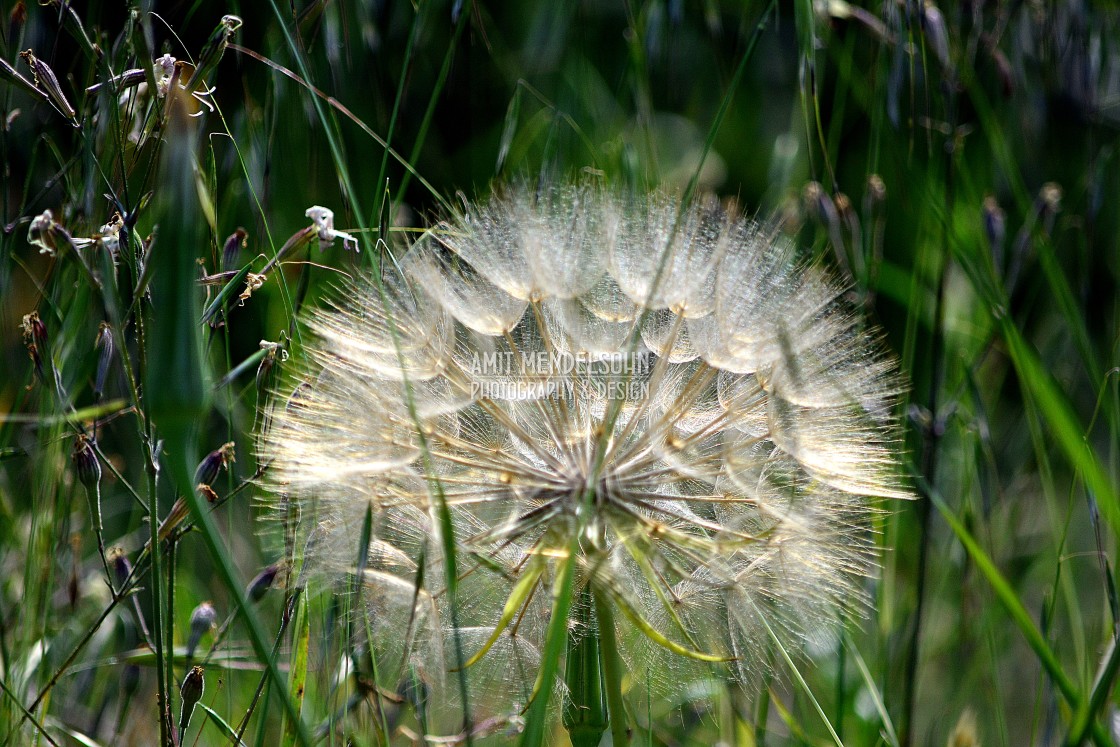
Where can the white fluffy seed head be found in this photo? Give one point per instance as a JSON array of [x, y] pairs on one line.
[[672, 387]]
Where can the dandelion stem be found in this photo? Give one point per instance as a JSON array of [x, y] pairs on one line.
[[612, 670], [585, 713]]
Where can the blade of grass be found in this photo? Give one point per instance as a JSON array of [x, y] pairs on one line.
[[1014, 608], [556, 639]]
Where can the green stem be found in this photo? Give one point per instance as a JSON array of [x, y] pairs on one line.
[[585, 713], [612, 670]]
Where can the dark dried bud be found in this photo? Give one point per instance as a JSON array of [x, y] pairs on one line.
[[86, 464], [213, 50], [34, 331], [203, 620], [191, 693], [995, 229], [819, 205], [234, 244], [207, 492], [1049, 199], [268, 370], [847, 214], [121, 566], [933, 23], [34, 337], [209, 468], [262, 582], [104, 343], [876, 193]]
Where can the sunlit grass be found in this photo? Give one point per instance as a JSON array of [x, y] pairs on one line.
[[959, 167]]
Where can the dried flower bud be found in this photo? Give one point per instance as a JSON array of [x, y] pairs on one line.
[[847, 214], [34, 331], [1050, 198], [104, 343], [252, 282], [213, 49], [819, 205], [35, 339], [203, 619], [234, 244], [191, 693], [964, 733], [86, 464], [933, 23], [322, 219], [47, 82], [207, 492], [209, 468], [262, 582], [122, 567], [995, 229], [876, 193], [275, 352]]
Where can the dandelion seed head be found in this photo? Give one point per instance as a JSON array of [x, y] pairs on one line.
[[671, 388]]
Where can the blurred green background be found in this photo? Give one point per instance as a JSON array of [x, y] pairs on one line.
[[958, 163]]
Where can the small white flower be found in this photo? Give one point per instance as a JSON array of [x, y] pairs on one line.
[[322, 219], [165, 69]]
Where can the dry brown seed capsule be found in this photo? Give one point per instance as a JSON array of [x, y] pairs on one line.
[[104, 343], [209, 468], [207, 492], [122, 568], [876, 190], [995, 228], [34, 331], [193, 686], [262, 582], [234, 244], [86, 464], [203, 619]]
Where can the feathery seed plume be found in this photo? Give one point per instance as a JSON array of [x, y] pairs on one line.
[[669, 390]]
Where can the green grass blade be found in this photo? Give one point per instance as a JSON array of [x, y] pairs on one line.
[[1014, 608]]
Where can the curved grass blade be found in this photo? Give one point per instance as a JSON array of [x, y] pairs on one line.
[[655, 635], [521, 591]]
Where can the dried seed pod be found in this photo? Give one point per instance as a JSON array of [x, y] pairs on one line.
[[203, 619], [191, 692], [47, 82], [122, 567], [35, 340], [268, 370], [209, 468], [213, 50], [104, 343], [86, 465], [234, 244], [262, 582], [995, 229]]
